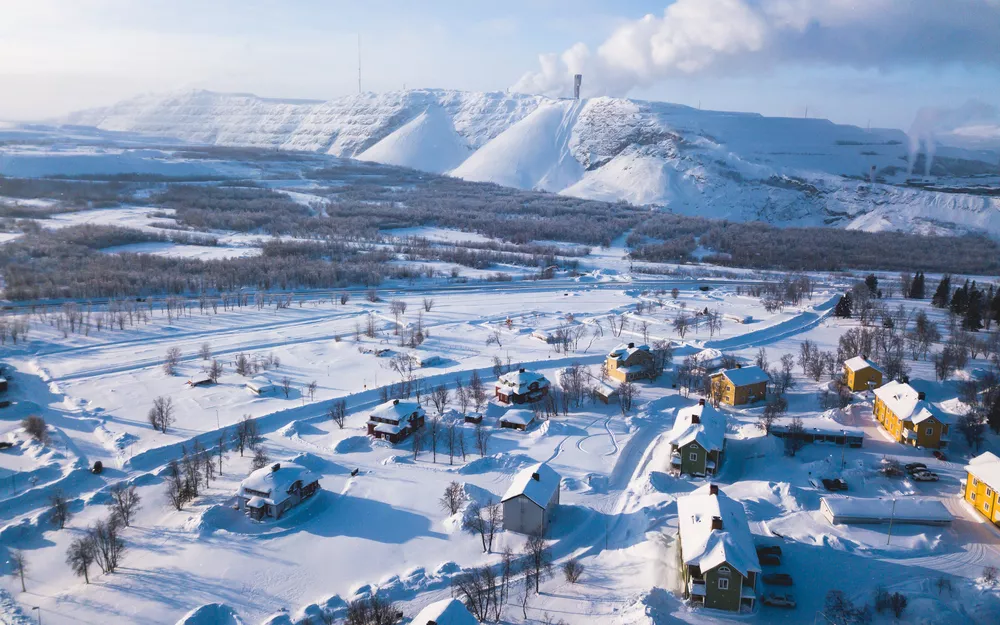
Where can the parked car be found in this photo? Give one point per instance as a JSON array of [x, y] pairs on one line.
[[915, 466], [6, 444], [834, 484], [772, 550], [769, 559], [939, 455], [778, 579], [925, 476], [779, 600]]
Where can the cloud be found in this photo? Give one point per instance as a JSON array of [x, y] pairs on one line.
[[737, 36]]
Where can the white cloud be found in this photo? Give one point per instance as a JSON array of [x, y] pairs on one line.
[[736, 36]]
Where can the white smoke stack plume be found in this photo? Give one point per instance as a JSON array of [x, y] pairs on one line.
[[728, 36], [974, 124]]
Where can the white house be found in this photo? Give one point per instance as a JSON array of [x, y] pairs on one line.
[[531, 500], [445, 612], [270, 491]]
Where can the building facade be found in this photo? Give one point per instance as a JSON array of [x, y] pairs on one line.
[[273, 490], [981, 483], [739, 386], [908, 417], [521, 387], [395, 420], [697, 440], [861, 374], [531, 500], [631, 362]]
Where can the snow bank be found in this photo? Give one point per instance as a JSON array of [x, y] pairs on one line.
[[211, 614], [429, 142], [352, 444], [501, 463]]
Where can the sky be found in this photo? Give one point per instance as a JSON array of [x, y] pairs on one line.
[[888, 63]]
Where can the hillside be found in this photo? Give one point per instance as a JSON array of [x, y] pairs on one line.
[[738, 166]]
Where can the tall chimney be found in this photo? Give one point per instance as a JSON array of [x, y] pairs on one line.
[[695, 419], [713, 489], [921, 395], [701, 402], [275, 467], [536, 477], [395, 402], [631, 345], [577, 81], [716, 523]]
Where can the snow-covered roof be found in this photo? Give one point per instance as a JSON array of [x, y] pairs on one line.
[[519, 416], [275, 483], [986, 467], [708, 548], [445, 612], [709, 432], [880, 510], [858, 363], [905, 402], [744, 376], [539, 490], [260, 383], [521, 380], [625, 351], [397, 410]]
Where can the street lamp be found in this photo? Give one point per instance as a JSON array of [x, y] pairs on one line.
[[39, 610]]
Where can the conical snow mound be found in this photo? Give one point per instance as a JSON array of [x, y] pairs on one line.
[[428, 142]]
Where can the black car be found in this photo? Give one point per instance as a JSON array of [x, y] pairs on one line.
[[769, 559], [915, 466], [778, 579], [768, 550]]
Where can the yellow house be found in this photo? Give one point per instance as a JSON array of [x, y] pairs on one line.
[[627, 363], [981, 485], [907, 415], [861, 374], [742, 385]]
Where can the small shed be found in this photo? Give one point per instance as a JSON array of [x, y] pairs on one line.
[[606, 392], [531, 500], [909, 510], [260, 385], [200, 380], [517, 419]]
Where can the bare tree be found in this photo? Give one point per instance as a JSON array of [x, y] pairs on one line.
[[109, 547], [260, 458], [247, 436], [337, 411], [125, 502], [681, 324], [61, 513], [372, 610], [18, 565], [453, 498], [205, 351], [428, 304], [451, 437], [482, 435], [572, 570], [398, 308], [434, 432], [286, 386], [35, 427], [171, 361], [494, 338], [311, 389], [80, 556], [484, 521], [439, 397], [539, 559], [244, 366], [214, 371], [161, 415], [477, 391], [627, 392]]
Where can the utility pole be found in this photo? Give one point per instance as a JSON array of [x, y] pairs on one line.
[[891, 515], [843, 451]]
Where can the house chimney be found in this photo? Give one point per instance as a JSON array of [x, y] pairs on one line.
[[521, 369], [695, 419], [717, 523], [631, 345], [395, 402], [713, 489], [921, 395], [536, 477], [739, 365], [701, 402], [275, 467]]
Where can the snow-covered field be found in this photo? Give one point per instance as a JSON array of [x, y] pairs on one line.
[[377, 524]]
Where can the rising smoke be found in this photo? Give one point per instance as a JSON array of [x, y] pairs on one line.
[[731, 36], [975, 124]]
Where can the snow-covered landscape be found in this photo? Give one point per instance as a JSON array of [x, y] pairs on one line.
[[548, 350]]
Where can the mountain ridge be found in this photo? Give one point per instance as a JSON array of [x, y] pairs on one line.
[[731, 165]]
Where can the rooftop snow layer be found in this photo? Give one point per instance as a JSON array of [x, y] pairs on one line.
[[708, 548], [858, 363], [986, 467], [276, 482], [397, 410], [521, 380], [744, 376], [709, 432], [902, 510], [445, 612], [518, 416], [539, 491], [904, 401]]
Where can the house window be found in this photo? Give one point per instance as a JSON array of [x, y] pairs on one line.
[[724, 570], [693, 456], [723, 583], [929, 432], [989, 493], [972, 497], [986, 507], [975, 481]]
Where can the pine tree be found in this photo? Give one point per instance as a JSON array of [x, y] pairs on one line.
[[960, 300], [943, 293], [872, 283], [844, 307], [917, 286], [973, 319], [995, 307]]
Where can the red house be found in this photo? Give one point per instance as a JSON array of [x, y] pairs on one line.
[[521, 387], [395, 420]]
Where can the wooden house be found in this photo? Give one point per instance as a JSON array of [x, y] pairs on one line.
[[981, 485], [742, 385], [861, 374], [627, 363], [517, 419], [718, 558], [271, 491], [395, 420], [531, 500], [908, 417], [697, 440], [521, 387]]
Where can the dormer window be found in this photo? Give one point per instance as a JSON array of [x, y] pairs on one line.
[[724, 570]]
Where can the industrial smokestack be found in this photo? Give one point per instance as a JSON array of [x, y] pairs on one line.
[[577, 81]]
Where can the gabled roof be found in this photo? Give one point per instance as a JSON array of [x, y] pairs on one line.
[[519, 381], [445, 612], [858, 363], [626, 350], [744, 376], [708, 548], [520, 416], [397, 410], [709, 432], [986, 467], [904, 401], [276, 482], [539, 491]]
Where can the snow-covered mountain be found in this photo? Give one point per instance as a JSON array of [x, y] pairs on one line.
[[739, 166]]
